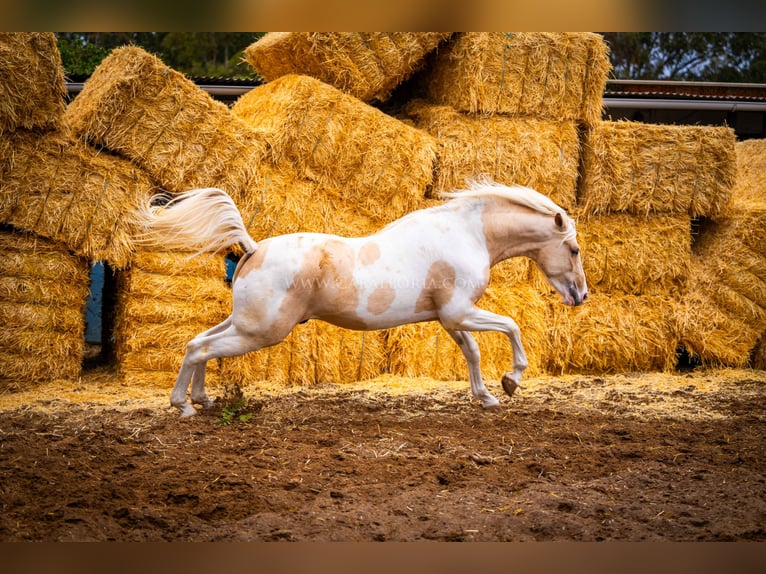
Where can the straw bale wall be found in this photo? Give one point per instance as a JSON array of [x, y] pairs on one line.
[[611, 333], [136, 106], [723, 317], [645, 169], [367, 65], [631, 255], [32, 86], [43, 289], [537, 153], [60, 188], [375, 162], [556, 76], [164, 300]]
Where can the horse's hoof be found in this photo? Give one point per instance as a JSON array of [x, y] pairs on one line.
[[490, 404], [509, 385], [206, 403], [187, 411]]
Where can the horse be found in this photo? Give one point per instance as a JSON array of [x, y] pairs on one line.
[[429, 265]]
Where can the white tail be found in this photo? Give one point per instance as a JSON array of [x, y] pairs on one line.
[[202, 219]]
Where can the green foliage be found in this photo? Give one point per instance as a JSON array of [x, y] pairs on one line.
[[192, 53], [234, 404], [705, 56]]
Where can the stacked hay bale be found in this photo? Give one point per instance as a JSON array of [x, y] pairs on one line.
[[60, 188], [51, 183], [723, 315], [377, 164], [641, 186], [136, 106], [57, 187], [367, 65], [163, 301], [507, 107], [42, 301], [32, 86]]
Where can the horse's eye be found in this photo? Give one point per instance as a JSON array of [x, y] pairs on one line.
[[576, 251]]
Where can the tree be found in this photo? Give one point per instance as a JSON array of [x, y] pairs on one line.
[[193, 53], [708, 56]]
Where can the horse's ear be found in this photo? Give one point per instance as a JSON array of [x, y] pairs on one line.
[[559, 221]]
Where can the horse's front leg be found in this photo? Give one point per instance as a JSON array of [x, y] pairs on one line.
[[470, 350], [476, 319]]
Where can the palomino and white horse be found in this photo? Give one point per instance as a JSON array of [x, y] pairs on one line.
[[430, 265]]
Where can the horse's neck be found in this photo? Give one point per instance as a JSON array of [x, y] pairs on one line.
[[512, 230]]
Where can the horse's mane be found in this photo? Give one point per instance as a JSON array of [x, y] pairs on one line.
[[517, 194]]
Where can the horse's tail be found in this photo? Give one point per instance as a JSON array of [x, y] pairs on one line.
[[200, 219]]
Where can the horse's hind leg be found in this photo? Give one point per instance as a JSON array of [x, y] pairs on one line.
[[470, 350], [193, 370], [198, 394]]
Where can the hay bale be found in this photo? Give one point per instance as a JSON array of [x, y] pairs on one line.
[[367, 65], [723, 315], [541, 154], [136, 106], [378, 164], [645, 169], [623, 253], [43, 289], [60, 188], [163, 301], [611, 333], [751, 171], [557, 76], [710, 326], [32, 86]]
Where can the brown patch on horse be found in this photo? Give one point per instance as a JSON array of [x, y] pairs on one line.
[[380, 299], [369, 253], [323, 288], [438, 288], [250, 261]]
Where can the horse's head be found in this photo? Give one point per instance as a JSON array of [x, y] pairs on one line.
[[559, 259]]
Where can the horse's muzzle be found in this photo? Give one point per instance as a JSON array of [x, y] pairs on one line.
[[577, 299]]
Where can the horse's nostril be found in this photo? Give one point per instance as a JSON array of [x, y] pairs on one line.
[[584, 296]]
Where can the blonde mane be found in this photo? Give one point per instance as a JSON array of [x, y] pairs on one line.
[[518, 194]]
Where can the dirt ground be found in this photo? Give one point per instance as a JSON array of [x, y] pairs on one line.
[[643, 457]]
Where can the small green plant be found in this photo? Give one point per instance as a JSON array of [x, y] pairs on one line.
[[234, 403]]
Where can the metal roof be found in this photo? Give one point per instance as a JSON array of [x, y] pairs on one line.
[[659, 94]]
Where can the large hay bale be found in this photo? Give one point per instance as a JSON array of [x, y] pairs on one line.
[[723, 315], [60, 188], [367, 65], [43, 289], [644, 169], [136, 106], [163, 301], [558, 76], [541, 154], [378, 164], [612, 333], [32, 86], [624, 253], [710, 325]]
